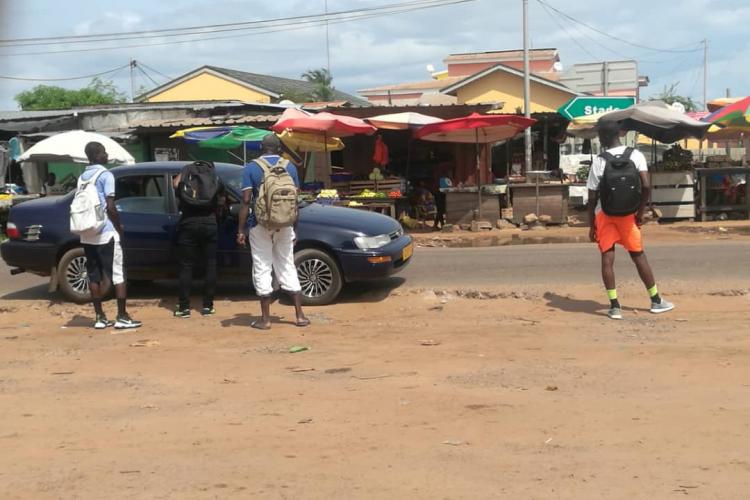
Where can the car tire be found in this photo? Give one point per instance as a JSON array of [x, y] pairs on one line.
[[319, 275], [73, 279]]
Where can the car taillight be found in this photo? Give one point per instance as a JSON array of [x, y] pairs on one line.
[[12, 231]]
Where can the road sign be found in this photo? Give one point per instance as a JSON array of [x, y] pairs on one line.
[[582, 106]]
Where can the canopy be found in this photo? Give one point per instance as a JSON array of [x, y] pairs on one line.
[[402, 121], [235, 138], [70, 147], [475, 128], [719, 103], [735, 115], [305, 142], [657, 120], [197, 134], [322, 123]]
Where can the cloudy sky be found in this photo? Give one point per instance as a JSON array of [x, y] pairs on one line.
[[381, 50]]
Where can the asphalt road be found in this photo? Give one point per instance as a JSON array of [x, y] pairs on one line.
[[501, 266]]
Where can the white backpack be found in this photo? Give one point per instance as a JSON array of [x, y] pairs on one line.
[[87, 213]]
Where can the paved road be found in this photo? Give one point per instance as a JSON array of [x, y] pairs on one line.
[[522, 264]]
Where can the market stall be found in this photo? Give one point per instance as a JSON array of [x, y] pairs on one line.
[[481, 131]]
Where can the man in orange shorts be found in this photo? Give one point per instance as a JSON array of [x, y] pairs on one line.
[[609, 230]]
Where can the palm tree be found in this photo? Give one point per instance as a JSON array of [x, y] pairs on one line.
[[322, 82]]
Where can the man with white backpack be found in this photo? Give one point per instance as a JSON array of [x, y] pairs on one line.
[[94, 217], [269, 215]]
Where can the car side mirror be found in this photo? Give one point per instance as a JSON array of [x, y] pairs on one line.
[[234, 210]]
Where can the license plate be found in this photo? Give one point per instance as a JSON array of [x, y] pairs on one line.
[[407, 252]]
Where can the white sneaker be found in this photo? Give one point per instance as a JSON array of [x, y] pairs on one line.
[[102, 322], [661, 307], [614, 313]]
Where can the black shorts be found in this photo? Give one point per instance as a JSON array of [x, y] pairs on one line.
[[104, 260]]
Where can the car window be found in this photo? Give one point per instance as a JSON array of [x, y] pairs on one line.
[[141, 194], [232, 179]]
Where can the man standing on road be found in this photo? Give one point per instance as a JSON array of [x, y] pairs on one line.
[[619, 190], [102, 248], [200, 192], [270, 224]]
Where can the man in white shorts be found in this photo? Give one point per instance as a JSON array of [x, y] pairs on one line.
[[102, 248]]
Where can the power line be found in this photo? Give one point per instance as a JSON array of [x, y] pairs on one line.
[[562, 27], [218, 28], [168, 78], [290, 27], [84, 77], [613, 37]]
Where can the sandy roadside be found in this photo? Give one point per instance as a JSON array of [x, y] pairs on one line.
[[504, 393]]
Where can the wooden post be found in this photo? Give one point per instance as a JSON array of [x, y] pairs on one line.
[[703, 185], [747, 193]]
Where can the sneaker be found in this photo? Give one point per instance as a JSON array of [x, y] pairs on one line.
[[207, 311], [615, 313], [182, 313], [102, 322], [126, 322], [661, 307]]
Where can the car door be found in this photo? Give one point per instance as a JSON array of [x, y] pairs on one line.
[[147, 213]]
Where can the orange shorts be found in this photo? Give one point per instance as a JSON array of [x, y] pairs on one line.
[[622, 230]]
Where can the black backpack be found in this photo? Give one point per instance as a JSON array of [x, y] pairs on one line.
[[199, 185], [620, 185]]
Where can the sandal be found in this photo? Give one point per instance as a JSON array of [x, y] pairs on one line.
[[258, 325]]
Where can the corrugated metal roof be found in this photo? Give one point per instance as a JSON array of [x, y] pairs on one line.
[[206, 121], [423, 85], [31, 115]]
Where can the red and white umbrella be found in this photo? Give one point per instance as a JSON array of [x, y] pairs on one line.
[[476, 129], [323, 123]]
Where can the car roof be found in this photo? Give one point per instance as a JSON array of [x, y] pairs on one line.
[[168, 166]]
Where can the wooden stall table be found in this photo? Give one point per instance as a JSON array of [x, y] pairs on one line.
[[553, 201], [385, 206], [706, 206], [462, 203]]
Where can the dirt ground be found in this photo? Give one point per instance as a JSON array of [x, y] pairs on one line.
[[427, 394], [653, 232]]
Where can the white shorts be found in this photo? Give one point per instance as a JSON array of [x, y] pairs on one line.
[[273, 254]]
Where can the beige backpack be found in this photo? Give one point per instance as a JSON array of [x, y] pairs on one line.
[[276, 206]]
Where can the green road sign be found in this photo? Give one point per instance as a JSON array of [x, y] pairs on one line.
[[582, 106]]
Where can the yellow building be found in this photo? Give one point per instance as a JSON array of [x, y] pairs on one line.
[[211, 83], [504, 84]]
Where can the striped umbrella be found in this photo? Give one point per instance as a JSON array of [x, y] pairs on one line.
[[735, 116]]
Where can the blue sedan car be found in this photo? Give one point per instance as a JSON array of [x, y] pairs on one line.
[[334, 245]]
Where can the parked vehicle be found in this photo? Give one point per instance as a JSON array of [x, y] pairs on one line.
[[334, 245]]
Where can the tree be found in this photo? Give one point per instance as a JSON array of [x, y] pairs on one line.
[[296, 97], [669, 95], [322, 82], [52, 97]]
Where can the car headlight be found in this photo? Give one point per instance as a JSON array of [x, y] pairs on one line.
[[372, 242]]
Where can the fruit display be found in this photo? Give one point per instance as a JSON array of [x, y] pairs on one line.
[[376, 175], [367, 193], [394, 194], [329, 194]]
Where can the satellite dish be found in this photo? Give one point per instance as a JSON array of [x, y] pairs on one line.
[[558, 66], [430, 68], [287, 103], [679, 107]]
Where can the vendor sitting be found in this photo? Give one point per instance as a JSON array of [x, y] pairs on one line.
[[423, 202]]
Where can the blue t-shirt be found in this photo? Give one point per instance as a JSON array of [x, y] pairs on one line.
[[252, 178], [105, 187]]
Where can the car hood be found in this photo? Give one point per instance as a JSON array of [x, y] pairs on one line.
[[357, 221]]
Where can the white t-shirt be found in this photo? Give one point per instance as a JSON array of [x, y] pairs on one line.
[[598, 164]]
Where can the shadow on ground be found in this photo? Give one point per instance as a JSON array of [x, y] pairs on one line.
[[569, 304]]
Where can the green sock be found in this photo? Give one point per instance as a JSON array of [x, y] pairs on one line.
[[612, 294], [653, 292]]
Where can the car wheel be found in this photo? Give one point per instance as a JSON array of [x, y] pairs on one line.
[[73, 279], [319, 276]]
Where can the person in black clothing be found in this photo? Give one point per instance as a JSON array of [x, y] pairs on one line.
[[197, 234]]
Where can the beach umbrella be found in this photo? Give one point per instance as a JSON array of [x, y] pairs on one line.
[[735, 115], [402, 121], [70, 147], [236, 137], [305, 142], [477, 129], [322, 124], [196, 134]]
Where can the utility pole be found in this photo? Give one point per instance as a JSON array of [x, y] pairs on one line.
[[132, 80], [526, 87], [328, 43], [705, 74], [605, 78]]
